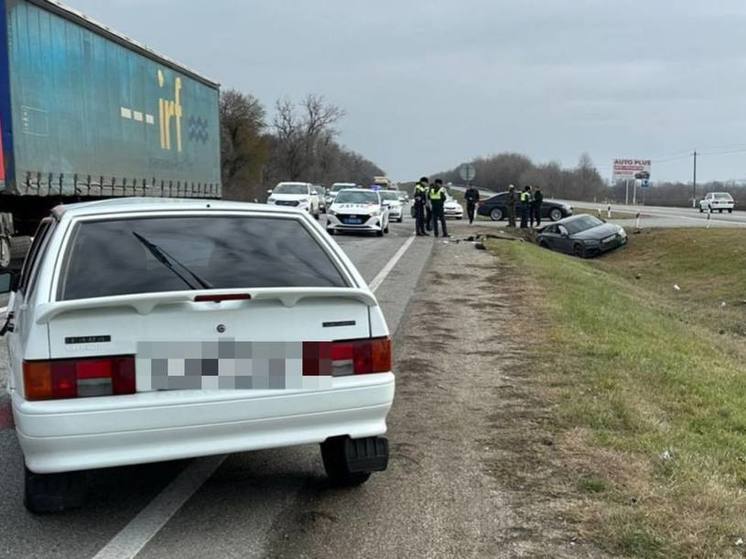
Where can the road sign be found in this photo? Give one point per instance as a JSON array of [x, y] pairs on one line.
[[467, 172]]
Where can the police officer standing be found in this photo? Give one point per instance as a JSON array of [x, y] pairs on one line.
[[437, 196], [511, 206], [525, 206], [420, 200], [536, 206], [472, 197]]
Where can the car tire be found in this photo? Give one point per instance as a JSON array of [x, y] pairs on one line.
[[336, 466], [721, 210], [543, 244], [460, 218], [401, 219], [555, 214], [46, 493], [496, 214], [379, 233], [730, 210], [578, 250], [331, 231]]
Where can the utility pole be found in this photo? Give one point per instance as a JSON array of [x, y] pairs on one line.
[[694, 182]]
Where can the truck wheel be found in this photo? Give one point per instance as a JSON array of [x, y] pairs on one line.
[[19, 247], [349, 462], [44, 493]]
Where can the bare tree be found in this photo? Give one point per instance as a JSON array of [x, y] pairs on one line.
[[243, 148]]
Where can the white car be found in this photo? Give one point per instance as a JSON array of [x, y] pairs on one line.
[[301, 195], [358, 209], [392, 201], [452, 208], [145, 330], [334, 189], [717, 202]]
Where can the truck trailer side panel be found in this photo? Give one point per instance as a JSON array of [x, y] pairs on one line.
[[92, 117]]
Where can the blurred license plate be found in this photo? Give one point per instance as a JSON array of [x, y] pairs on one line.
[[354, 220]]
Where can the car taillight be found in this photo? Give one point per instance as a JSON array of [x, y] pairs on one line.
[[348, 357], [79, 378]]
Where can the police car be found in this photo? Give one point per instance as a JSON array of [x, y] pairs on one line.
[[145, 330], [358, 209]]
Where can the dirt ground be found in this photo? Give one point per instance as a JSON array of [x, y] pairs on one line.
[[463, 423]]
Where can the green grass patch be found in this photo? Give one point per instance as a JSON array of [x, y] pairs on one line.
[[656, 388]]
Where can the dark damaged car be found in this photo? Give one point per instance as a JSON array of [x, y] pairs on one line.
[[582, 235]]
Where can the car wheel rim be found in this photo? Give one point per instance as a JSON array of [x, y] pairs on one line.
[[556, 215], [496, 215]]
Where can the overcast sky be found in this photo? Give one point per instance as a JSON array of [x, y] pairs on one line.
[[428, 84]]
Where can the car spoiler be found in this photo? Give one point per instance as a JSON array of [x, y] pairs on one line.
[[144, 303]]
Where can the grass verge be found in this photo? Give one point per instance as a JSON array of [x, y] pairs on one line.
[[647, 391]]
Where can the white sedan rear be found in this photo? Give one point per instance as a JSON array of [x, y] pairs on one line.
[[147, 330]]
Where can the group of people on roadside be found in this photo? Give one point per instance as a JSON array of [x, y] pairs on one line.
[[528, 202], [429, 207]]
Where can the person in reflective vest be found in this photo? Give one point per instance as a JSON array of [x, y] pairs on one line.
[[438, 196], [525, 206], [420, 200]]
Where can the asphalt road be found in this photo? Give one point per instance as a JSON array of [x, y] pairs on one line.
[[241, 508]]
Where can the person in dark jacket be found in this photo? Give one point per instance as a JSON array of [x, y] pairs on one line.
[[525, 206], [536, 207], [512, 199], [472, 197], [420, 201], [438, 196]]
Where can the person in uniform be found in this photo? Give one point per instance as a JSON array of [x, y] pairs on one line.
[[536, 207], [438, 196], [511, 202], [420, 200], [525, 206]]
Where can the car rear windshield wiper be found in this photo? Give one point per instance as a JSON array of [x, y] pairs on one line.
[[168, 261]]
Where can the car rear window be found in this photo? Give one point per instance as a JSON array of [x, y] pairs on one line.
[[110, 257]]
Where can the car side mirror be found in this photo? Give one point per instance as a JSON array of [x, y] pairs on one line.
[[314, 193], [7, 282], [269, 191]]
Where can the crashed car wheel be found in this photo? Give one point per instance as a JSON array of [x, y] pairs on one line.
[[579, 250]]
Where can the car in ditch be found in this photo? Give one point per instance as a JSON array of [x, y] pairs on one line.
[[391, 200], [496, 208], [358, 210], [148, 330], [717, 202], [582, 235]]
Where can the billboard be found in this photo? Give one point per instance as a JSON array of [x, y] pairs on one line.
[[628, 169]]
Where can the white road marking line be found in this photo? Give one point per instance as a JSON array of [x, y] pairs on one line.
[[149, 521], [141, 529], [378, 280]]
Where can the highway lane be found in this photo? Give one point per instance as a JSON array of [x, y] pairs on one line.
[[254, 487]]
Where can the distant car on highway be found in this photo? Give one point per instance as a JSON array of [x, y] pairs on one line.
[[496, 208], [453, 209], [146, 330], [717, 202], [358, 209], [403, 196], [390, 199], [334, 189], [582, 235], [301, 195]]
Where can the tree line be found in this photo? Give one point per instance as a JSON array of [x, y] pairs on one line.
[[299, 143], [498, 172]]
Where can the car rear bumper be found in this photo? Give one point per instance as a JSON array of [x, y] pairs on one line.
[[70, 435]]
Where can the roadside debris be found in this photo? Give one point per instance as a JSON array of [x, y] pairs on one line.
[[676, 287]]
